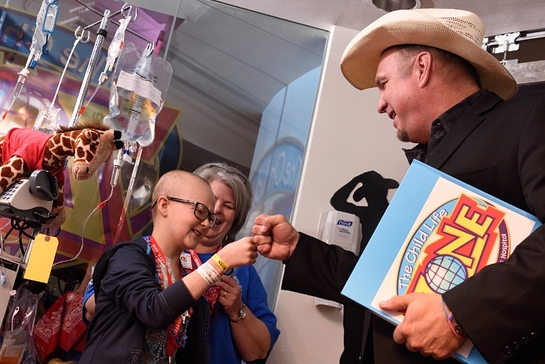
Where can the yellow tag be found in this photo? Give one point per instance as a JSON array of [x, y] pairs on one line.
[[41, 258]]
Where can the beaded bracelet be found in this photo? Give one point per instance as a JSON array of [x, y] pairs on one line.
[[454, 326]]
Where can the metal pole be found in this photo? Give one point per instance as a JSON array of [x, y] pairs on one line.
[[172, 29], [102, 33]]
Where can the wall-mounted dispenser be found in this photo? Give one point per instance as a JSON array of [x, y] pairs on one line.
[[342, 229]]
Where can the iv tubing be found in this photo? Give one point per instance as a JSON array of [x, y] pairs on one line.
[[23, 75], [101, 35], [129, 193], [116, 45], [98, 207], [118, 161], [79, 38]]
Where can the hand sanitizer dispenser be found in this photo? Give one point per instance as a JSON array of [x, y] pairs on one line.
[[342, 229]]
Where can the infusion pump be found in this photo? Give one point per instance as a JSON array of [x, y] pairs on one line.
[[30, 199]]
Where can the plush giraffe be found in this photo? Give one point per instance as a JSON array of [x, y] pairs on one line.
[[23, 150]]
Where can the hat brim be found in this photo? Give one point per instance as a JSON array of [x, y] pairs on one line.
[[361, 57]]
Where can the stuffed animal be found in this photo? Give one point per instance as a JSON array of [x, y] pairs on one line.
[[23, 150]]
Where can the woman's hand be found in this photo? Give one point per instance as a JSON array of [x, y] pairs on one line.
[[230, 296]]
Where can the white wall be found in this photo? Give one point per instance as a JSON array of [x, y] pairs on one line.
[[348, 137]]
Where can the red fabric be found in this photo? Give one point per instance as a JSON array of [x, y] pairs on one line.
[[61, 326], [28, 144]]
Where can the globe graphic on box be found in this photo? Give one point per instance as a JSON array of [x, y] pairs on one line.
[[444, 272]]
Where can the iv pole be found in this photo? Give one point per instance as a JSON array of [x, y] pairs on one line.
[[102, 33]]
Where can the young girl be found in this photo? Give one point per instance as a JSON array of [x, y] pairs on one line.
[[143, 302]]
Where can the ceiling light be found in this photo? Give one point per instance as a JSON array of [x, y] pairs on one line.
[[391, 5]]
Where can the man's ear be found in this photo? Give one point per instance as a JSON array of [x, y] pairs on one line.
[[423, 64]]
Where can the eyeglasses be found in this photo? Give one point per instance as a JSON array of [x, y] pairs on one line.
[[201, 211]]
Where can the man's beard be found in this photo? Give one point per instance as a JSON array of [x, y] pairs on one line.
[[402, 135]]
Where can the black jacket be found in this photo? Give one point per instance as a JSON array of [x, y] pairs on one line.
[[129, 299], [499, 147]]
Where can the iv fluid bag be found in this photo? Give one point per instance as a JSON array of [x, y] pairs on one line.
[[137, 93], [133, 108]]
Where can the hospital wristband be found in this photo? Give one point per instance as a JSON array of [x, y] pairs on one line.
[[208, 273], [220, 262]]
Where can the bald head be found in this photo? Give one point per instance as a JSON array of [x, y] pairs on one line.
[[174, 183], [181, 212]]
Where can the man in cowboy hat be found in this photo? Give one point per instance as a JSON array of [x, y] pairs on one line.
[[444, 92]]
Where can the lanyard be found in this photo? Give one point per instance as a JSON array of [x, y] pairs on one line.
[[212, 293], [177, 330], [163, 268]]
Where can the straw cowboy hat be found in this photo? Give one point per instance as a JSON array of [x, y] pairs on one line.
[[457, 31]]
